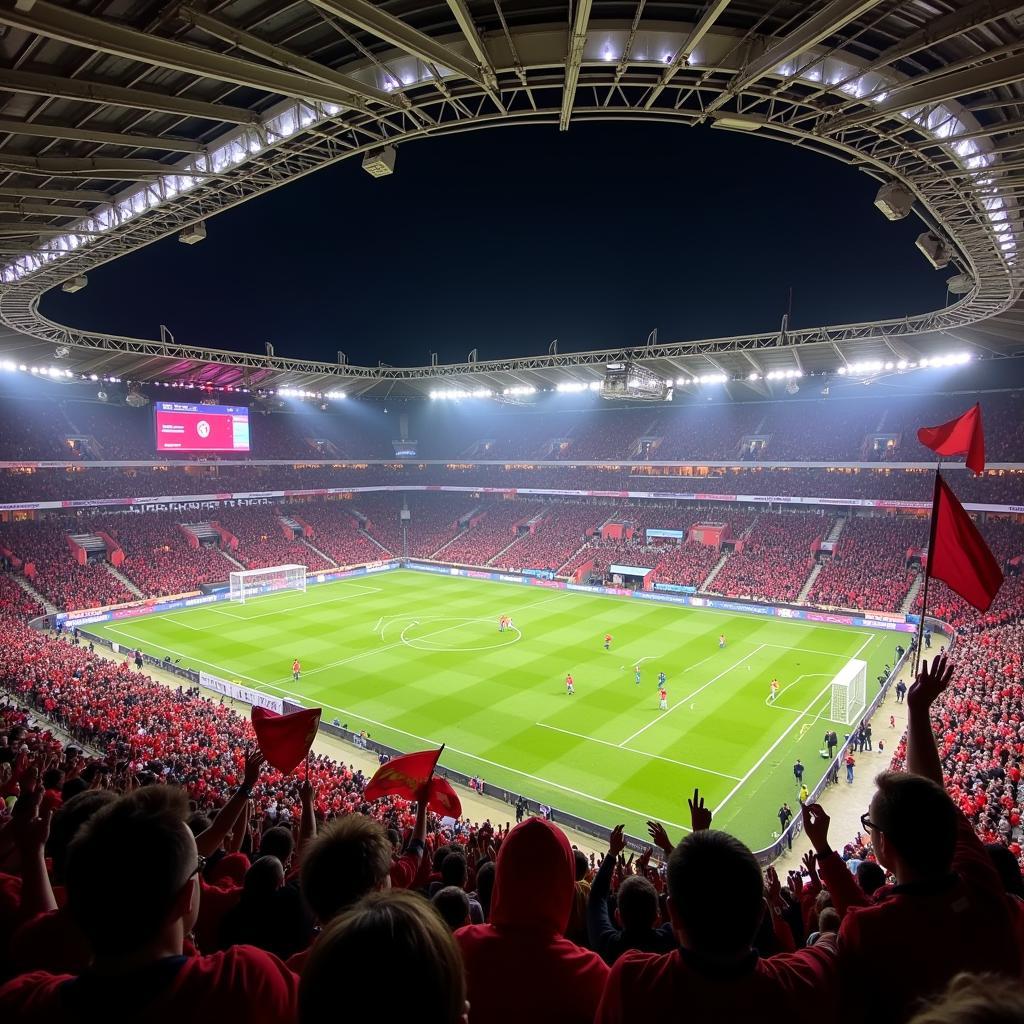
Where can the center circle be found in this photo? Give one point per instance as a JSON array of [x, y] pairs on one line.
[[450, 635]]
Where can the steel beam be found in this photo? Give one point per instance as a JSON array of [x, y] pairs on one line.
[[54, 87], [573, 60], [57, 131], [909, 96], [285, 58], [53, 22], [829, 20], [395, 31], [30, 209], [701, 29], [85, 167], [74, 195], [468, 28]]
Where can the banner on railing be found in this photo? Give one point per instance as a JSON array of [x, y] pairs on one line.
[[236, 691]]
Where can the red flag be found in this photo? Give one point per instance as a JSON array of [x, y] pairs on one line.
[[403, 776], [444, 799], [957, 552], [285, 739], [962, 436]]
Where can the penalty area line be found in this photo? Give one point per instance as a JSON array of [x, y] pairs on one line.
[[641, 753]]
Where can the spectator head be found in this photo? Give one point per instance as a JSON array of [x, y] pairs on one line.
[[132, 873], [198, 823], [387, 935], [349, 858], [485, 886], [716, 893], [870, 877], [394, 838], [582, 864], [534, 880], [454, 870], [637, 908], [976, 999], [829, 920], [67, 822], [53, 778], [278, 842], [1007, 867], [452, 904], [263, 878], [913, 826], [73, 787]]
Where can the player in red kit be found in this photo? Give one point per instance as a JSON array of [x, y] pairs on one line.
[[570, 687], [296, 670], [607, 641]]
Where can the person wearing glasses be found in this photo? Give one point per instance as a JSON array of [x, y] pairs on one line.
[[947, 903]]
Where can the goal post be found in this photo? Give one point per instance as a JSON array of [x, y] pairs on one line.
[[249, 583], [849, 692]]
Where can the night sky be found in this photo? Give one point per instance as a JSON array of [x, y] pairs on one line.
[[503, 240]]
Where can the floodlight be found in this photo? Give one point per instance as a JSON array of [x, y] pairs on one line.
[[960, 284], [380, 163], [894, 200], [74, 284], [934, 248], [193, 233]]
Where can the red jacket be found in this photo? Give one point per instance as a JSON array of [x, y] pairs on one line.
[[242, 984], [963, 919], [790, 988], [524, 946]]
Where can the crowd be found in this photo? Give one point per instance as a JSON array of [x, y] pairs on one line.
[[868, 567], [55, 573], [262, 542], [161, 869], [84, 482], [774, 558], [159, 559], [336, 532], [558, 536], [492, 533], [434, 520]]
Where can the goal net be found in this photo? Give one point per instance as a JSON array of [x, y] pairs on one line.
[[249, 583], [849, 692]]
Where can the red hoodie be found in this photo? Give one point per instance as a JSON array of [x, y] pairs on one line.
[[523, 946]]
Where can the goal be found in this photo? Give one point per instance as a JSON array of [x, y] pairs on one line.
[[250, 583], [849, 692]]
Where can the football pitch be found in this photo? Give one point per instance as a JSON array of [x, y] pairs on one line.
[[418, 659]]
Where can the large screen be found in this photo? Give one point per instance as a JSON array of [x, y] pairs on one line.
[[183, 427]]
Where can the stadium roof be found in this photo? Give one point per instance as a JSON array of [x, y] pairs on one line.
[[124, 122]]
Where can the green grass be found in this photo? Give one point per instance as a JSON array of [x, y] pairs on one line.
[[418, 660]]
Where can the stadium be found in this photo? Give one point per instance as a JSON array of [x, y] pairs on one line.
[[651, 614]]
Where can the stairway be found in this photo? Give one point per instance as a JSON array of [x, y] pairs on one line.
[[437, 554], [373, 540], [292, 524], [806, 588], [125, 582], [22, 582], [558, 572], [312, 547], [92, 544], [494, 558], [837, 528], [231, 558], [908, 601], [714, 572], [204, 532]]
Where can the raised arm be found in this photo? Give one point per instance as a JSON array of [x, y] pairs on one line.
[[922, 751], [208, 842]]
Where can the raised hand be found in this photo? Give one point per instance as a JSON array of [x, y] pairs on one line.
[[659, 836], [254, 760], [811, 865], [700, 816], [930, 682], [617, 841], [795, 883], [773, 887], [816, 823]]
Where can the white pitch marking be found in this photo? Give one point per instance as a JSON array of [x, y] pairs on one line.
[[690, 696], [641, 753]]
